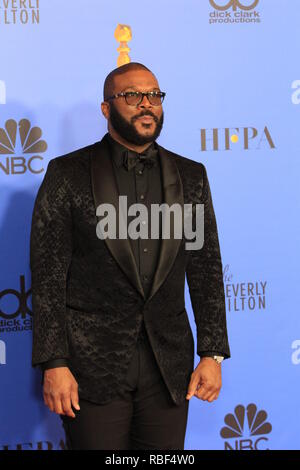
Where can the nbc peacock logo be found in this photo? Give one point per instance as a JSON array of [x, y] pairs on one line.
[[19, 145], [246, 429]]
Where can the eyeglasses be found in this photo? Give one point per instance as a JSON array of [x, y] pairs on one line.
[[134, 98]]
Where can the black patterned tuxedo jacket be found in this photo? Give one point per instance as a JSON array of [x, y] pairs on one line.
[[87, 297]]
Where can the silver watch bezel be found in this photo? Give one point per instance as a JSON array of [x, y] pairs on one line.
[[218, 359]]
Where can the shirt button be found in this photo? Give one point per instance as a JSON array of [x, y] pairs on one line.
[[145, 250], [140, 172], [142, 196]]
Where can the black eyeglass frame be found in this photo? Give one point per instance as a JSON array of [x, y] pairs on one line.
[[162, 94]]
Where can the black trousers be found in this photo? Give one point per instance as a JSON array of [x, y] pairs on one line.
[[146, 418]]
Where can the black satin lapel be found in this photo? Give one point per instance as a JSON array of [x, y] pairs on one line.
[[173, 193], [105, 190]]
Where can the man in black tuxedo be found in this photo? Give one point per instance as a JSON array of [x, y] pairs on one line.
[[110, 329]]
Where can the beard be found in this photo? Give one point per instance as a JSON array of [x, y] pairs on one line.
[[127, 129]]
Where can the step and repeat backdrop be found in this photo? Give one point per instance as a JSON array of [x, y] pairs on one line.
[[230, 70]]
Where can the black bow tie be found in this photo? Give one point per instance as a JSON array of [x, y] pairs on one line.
[[130, 158]]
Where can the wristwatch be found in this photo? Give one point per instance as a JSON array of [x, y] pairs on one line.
[[218, 359]]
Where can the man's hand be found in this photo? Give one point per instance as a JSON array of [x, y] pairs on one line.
[[206, 380], [60, 391]]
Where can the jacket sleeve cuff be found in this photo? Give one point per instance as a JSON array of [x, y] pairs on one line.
[[61, 362], [211, 354]]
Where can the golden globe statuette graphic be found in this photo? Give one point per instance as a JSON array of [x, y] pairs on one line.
[[123, 35]]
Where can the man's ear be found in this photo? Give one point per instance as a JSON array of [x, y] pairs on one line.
[[105, 109]]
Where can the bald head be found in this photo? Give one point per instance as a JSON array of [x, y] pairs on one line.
[[109, 83]]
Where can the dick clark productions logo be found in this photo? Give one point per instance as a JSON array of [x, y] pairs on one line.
[[234, 11], [246, 429], [15, 313], [234, 4]]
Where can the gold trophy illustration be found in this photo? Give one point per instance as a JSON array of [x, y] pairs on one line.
[[123, 35]]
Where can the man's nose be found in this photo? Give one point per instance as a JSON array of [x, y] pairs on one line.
[[145, 102]]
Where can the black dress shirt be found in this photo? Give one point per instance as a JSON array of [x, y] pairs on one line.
[[141, 184]]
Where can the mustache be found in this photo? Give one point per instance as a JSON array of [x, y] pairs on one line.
[[145, 113]]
